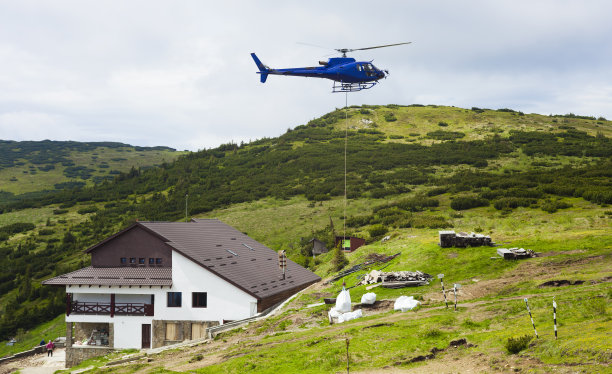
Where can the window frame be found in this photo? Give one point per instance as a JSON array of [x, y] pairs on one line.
[[196, 298], [172, 301]]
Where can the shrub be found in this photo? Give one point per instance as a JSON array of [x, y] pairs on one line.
[[442, 124], [553, 206], [377, 230], [364, 111], [88, 209], [394, 136], [339, 260], [512, 202], [515, 345], [445, 135], [390, 117], [468, 202]]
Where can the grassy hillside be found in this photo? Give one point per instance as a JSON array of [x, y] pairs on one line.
[[32, 166], [542, 182]]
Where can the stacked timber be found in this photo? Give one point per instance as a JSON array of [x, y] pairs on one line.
[[462, 239], [397, 279]]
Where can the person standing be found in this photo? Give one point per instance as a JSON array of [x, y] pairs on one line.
[[50, 347]]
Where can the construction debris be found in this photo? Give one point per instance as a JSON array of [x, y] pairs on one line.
[[515, 253], [462, 239], [373, 258], [397, 279]]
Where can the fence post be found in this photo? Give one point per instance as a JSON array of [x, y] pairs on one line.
[[533, 323]]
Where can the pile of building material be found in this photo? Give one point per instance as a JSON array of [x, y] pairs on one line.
[[462, 239], [515, 253], [397, 279], [373, 258]]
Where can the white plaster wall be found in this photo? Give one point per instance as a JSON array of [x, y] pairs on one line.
[[224, 301], [128, 331]]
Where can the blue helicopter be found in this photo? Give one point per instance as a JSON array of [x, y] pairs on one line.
[[348, 74]]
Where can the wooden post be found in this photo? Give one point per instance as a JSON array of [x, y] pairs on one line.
[[347, 356], [68, 303], [112, 307]]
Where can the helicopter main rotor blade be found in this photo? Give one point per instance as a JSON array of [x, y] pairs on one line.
[[345, 50], [313, 45]]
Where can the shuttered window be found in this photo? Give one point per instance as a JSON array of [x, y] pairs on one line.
[[198, 299], [175, 300], [172, 331]]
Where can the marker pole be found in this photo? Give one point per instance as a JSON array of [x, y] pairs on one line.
[[532, 323], [455, 292], [555, 316], [443, 291]]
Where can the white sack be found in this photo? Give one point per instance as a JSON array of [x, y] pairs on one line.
[[333, 313], [405, 303], [343, 301], [368, 298], [345, 317]]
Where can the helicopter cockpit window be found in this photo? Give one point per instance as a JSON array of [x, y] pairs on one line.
[[369, 68]]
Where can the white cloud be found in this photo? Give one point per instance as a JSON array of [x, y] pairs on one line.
[[180, 74]]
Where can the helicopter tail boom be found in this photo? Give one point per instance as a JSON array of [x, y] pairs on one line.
[[263, 69]]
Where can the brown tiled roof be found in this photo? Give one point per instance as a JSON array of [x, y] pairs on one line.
[[122, 276], [232, 255], [216, 246]]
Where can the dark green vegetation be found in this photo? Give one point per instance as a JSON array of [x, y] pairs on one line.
[[32, 168], [520, 176]]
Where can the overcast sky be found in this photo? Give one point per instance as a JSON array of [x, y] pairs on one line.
[[179, 74]]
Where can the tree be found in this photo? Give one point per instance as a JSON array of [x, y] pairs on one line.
[[339, 260]]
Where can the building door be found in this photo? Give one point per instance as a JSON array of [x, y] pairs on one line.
[[146, 336]]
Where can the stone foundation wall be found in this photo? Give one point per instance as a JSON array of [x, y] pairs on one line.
[[183, 331], [83, 329], [76, 355]]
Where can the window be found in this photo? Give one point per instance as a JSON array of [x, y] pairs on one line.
[[198, 299], [132, 260], [172, 331], [158, 261], [141, 261], [174, 300], [151, 261], [123, 261]]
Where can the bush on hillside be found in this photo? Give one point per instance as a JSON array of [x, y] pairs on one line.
[[468, 202], [377, 231], [515, 345], [339, 261], [390, 117]]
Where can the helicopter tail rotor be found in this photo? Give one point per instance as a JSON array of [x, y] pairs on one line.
[[263, 69]]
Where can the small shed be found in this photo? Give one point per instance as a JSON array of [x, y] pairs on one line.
[[318, 247], [349, 244]]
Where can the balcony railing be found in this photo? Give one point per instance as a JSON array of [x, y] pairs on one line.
[[122, 309]]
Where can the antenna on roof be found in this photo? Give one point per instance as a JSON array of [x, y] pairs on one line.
[[282, 261], [186, 199]]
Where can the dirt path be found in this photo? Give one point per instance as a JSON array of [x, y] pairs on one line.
[[38, 364]]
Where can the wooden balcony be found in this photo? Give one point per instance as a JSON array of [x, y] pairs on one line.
[[112, 309]]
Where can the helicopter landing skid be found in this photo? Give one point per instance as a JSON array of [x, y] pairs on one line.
[[352, 87]]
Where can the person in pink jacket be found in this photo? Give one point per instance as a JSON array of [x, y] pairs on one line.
[[50, 347]]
